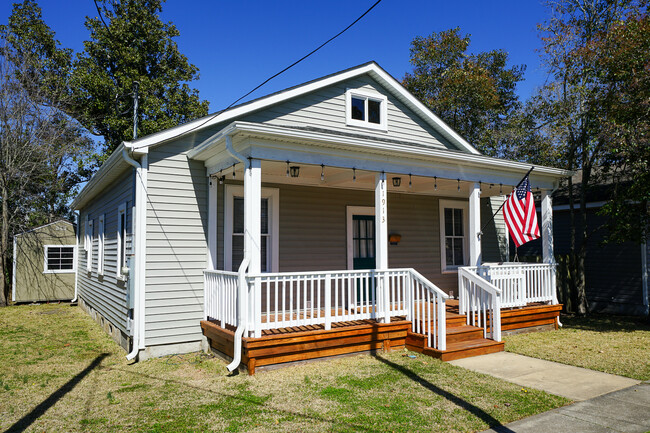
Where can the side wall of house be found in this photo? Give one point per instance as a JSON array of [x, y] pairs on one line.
[[176, 245], [33, 283], [106, 294], [313, 233]]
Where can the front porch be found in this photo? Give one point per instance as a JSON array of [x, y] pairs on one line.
[[300, 316]]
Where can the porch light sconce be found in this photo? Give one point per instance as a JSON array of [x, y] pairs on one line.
[[294, 170], [394, 238], [397, 181]]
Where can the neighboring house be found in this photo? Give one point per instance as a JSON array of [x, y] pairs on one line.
[[44, 263], [288, 210], [616, 274]]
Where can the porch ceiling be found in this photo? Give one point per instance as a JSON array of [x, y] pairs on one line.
[[311, 148]]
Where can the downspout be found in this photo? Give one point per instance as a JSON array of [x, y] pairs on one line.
[[139, 233], [76, 258], [242, 286], [644, 276]]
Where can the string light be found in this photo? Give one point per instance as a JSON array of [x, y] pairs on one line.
[[287, 168], [410, 183], [233, 171], [354, 174], [480, 186], [458, 185], [322, 172], [491, 185], [501, 189], [435, 183]]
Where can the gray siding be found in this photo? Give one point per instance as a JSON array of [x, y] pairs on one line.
[[176, 245], [313, 231], [325, 108], [106, 293], [494, 242]]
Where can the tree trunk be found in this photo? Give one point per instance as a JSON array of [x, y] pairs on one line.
[[4, 242]]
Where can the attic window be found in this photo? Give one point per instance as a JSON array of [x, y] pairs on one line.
[[365, 109]]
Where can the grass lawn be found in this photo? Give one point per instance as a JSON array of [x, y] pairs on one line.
[[59, 373], [613, 344]]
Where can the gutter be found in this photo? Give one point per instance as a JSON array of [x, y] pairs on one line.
[[139, 229], [242, 287]]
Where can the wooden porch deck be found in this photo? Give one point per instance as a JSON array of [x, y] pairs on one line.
[[299, 343]]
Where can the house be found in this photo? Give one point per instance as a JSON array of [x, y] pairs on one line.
[[616, 274], [341, 209], [44, 263]]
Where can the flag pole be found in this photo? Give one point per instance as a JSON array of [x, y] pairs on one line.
[[504, 202]]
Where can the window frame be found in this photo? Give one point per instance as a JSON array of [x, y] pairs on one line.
[[59, 271], [101, 227], [121, 242], [273, 245], [453, 204], [366, 95]]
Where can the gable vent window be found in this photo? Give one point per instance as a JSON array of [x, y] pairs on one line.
[[365, 109]]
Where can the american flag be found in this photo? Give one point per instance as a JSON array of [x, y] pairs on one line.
[[520, 214]]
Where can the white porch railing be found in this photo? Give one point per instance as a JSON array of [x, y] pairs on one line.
[[521, 283], [291, 299], [480, 301]]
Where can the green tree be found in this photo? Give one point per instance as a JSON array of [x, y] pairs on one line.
[[133, 46], [472, 93], [577, 107]]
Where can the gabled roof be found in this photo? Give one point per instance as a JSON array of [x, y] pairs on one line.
[[370, 68], [59, 221]]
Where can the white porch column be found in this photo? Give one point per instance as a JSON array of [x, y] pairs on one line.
[[212, 223], [474, 224], [252, 237], [381, 243], [547, 227]]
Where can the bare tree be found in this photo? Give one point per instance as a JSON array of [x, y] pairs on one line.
[[41, 150]]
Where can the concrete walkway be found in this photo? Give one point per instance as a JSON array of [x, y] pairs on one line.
[[605, 402], [567, 381]]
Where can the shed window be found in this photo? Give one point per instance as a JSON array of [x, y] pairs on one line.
[[59, 258]]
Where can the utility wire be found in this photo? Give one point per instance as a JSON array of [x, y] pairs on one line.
[[212, 117]]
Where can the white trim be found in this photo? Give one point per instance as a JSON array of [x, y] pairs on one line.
[[101, 227], [13, 275], [453, 204], [212, 223], [61, 271], [273, 195], [121, 209], [366, 95], [349, 212]]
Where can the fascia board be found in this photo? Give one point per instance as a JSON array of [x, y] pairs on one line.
[[372, 146], [100, 179]]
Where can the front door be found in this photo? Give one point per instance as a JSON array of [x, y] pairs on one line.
[[363, 241]]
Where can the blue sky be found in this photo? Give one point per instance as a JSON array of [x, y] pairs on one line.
[[238, 44]]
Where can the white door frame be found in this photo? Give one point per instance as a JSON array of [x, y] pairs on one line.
[[349, 212]]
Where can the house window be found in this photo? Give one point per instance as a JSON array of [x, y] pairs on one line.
[[89, 244], [234, 228], [366, 109], [59, 258], [121, 239], [453, 234], [100, 245]]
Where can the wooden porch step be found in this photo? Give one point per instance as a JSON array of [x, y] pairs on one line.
[[463, 333], [465, 349]]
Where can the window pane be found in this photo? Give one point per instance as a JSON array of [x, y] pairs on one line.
[[458, 222], [449, 253], [449, 222], [363, 253], [362, 231], [237, 251], [374, 113], [358, 109], [355, 228], [264, 253], [265, 216], [238, 215], [458, 252], [357, 248], [371, 247]]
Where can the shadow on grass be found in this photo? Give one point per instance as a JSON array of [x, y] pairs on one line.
[[474, 410], [22, 424], [605, 323]]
